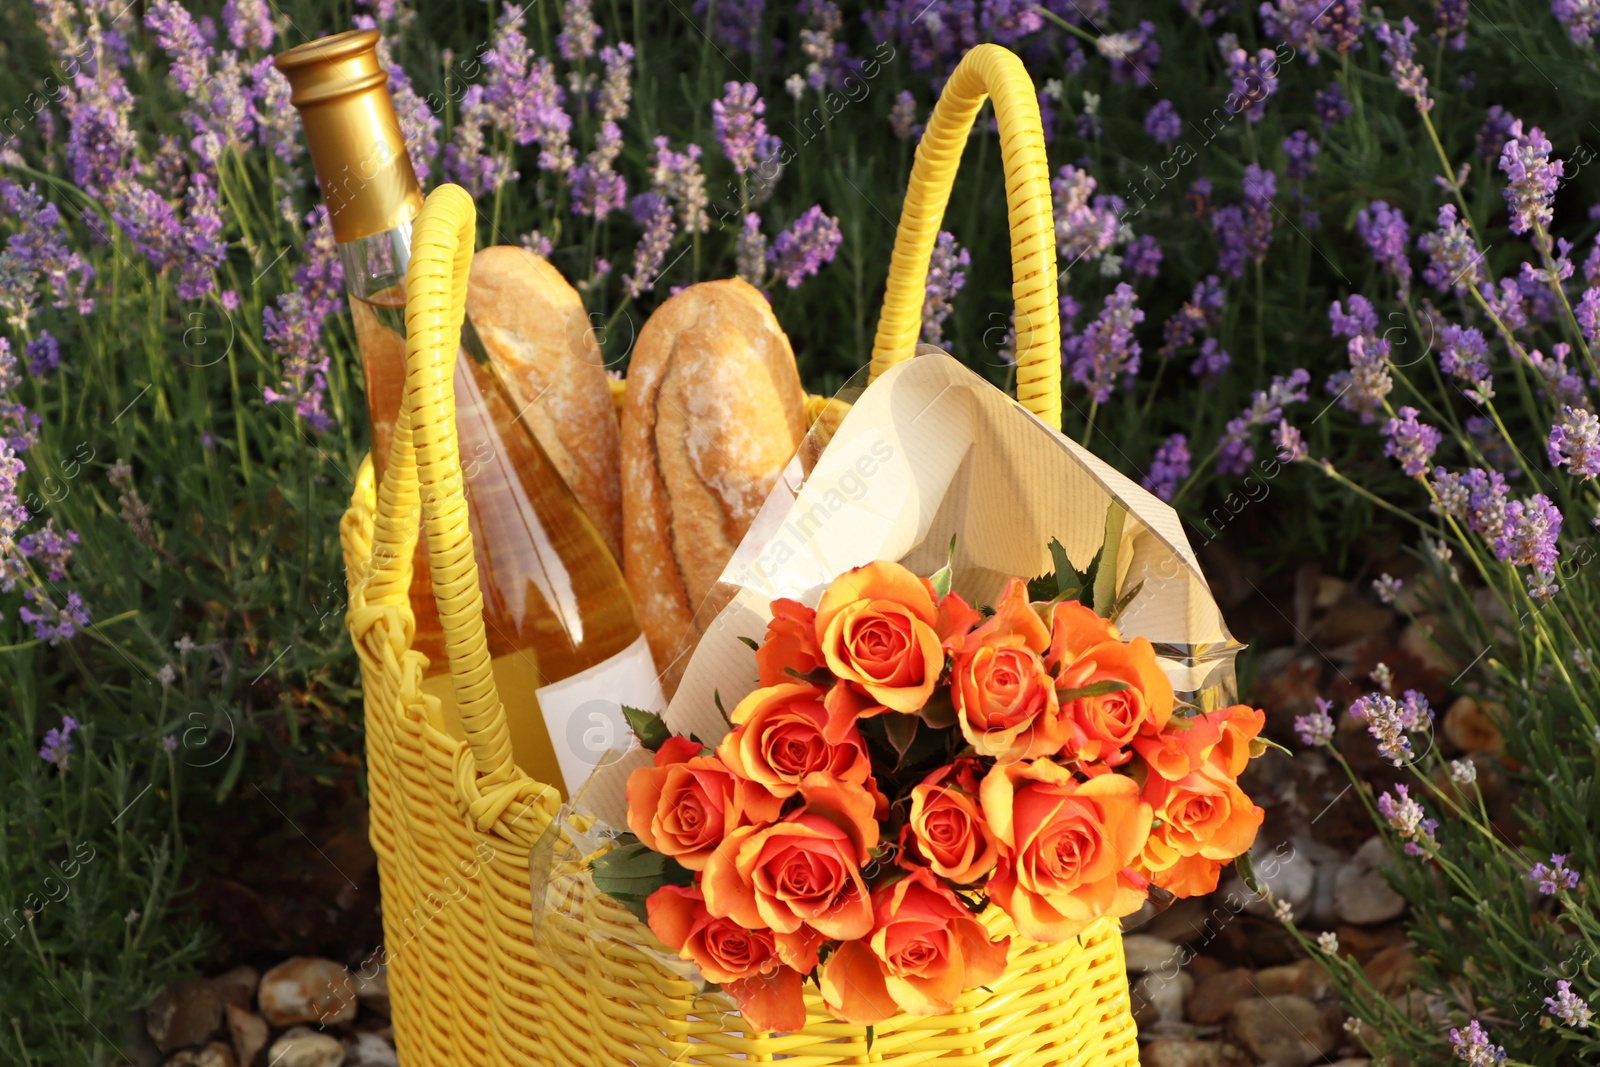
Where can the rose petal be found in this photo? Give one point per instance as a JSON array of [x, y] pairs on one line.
[[853, 986]]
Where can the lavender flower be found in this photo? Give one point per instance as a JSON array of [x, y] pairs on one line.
[[1197, 315], [1494, 133], [1316, 728], [1142, 257], [1087, 226], [1266, 406], [946, 276], [1580, 17], [653, 212], [1528, 538], [597, 189], [1555, 877], [1472, 1046], [1400, 53], [1361, 389], [1384, 230], [44, 354], [1382, 714], [1575, 442], [1168, 467], [1210, 361], [1106, 350], [51, 623], [1531, 177], [51, 550], [248, 24], [828, 61], [1132, 54], [37, 253], [750, 250], [57, 747], [736, 25], [1008, 21], [678, 177], [616, 89], [1301, 149], [1330, 105], [740, 130], [1244, 233], [1255, 78], [1454, 263], [1341, 25], [1450, 22], [278, 126], [903, 117], [1162, 123], [1291, 446], [1295, 23], [1408, 819], [1463, 772], [1569, 1007], [521, 97], [802, 249], [579, 32], [1464, 354], [1410, 442]]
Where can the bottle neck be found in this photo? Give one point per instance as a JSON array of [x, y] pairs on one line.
[[376, 263]]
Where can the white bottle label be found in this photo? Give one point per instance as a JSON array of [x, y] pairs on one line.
[[583, 713]]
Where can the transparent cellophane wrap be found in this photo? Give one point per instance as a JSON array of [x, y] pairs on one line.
[[929, 452]]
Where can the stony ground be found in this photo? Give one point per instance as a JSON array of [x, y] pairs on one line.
[[1217, 981]]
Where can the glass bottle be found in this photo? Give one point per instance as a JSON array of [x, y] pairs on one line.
[[566, 646]]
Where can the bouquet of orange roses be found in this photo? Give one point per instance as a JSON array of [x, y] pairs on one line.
[[909, 760]]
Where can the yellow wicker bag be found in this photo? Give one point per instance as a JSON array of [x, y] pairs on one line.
[[454, 824]]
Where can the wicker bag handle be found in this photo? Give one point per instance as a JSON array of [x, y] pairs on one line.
[[424, 471], [995, 72]]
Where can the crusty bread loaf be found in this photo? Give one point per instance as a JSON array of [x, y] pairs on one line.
[[713, 412], [536, 331]]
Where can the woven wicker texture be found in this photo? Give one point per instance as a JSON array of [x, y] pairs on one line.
[[454, 823]]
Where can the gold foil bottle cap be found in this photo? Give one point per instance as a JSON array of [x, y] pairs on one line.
[[342, 94]]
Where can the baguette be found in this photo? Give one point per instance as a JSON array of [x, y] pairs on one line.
[[535, 329], [713, 412]]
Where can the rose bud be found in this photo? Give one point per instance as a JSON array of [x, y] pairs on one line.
[[877, 628], [778, 739], [1063, 846], [746, 963], [947, 825], [803, 871], [790, 644], [686, 804], [925, 949]]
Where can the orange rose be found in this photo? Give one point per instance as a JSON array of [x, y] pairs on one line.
[[686, 804], [1205, 820], [1239, 724], [790, 644], [877, 628], [957, 619], [1074, 629], [1101, 727], [1180, 748], [778, 739], [802, 872], [1006, 701], [947, 826], [1063, 846], [925, 949], [744, 962]]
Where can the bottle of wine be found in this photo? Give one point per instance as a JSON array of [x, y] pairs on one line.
[[566, 646]]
